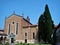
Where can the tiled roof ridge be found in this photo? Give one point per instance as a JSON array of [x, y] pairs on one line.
[[30, 26]]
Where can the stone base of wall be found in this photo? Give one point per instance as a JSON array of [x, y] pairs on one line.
[[28, 41]]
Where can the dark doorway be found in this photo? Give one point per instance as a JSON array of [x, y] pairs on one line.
[[25, 40], [12, 40]]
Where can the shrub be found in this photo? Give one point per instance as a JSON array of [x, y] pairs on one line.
[[7, 43], [23, 43], [0, 43], [28, 44]]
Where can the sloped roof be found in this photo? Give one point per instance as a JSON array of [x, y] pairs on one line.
[[3, 34], [57, 26], [27, 21], [14, 14], [1, 30], [19, 16], [30, 26]]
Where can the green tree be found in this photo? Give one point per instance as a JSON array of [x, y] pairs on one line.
[[42, 33], [48, 23], [40, 27], [45, 25]]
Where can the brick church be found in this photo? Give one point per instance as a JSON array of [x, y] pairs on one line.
[[19, 29]]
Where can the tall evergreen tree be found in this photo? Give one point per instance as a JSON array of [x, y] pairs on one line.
[[45, 25], [48, 23], [40, 27]]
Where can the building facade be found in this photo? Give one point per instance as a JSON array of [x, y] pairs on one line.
[[56, 35], [2, 36], [19, 29]]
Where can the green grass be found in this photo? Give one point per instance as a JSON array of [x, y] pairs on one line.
[[0, 43], [7, 43], [31, 44], [40, 44], [25, 44]]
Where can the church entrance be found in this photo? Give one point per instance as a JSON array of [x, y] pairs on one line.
[[12, 37], [12, 40], [25, 40]]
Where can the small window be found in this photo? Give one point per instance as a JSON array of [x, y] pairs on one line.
[[16, 28], [12, 22], [9, 29], [33, 35], [25, 34]]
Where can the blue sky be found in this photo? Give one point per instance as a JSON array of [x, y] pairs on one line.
[[31, 8]]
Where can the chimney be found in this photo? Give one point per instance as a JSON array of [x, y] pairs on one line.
[[28, 19]]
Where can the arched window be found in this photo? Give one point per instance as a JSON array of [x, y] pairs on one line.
[[16, 28], [1, 37], [9, 29], [12, 22], [33, 35], [25, 34]]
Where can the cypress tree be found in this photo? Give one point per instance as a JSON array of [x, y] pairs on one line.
[[45, 26], [48, 23]]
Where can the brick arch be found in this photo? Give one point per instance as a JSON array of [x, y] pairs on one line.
[[1, 38]]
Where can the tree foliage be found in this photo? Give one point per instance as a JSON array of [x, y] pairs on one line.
[[45, 25]]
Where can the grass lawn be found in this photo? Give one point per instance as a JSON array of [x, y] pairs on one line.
[[26, 44], [31, 44], [0, 43]]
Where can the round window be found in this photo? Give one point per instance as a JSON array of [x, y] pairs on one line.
[[12, 22]]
